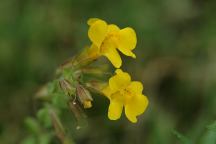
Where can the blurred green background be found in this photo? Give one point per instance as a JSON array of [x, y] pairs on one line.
[[176, 61]]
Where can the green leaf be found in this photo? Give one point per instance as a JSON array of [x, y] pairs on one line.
[[32, 125], [212, 126], [52, 86], [60, 100], [209, 136], [29, 140], [45, 138], [68, 74], [182, 138], [43, 116]]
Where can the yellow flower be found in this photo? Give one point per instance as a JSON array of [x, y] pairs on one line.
[[122, 92], [106, 39]]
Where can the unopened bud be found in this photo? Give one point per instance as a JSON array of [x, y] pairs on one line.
[[84, 96]]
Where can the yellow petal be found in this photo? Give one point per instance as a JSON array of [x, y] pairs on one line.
[[127, 38], [92, 20], [127, 41], [119, 81], [127, 52], [97, 32], [136, 107], [115, 109], [135, 87], [113, 56], [107, 91], [119, 71], [113, 28]]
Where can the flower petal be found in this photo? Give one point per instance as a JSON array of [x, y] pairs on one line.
[[97, 32], [135, 87], [119, 81], [113, 28], [115, 109], [136, 107], [114, 57], [107, 91], [127, 41], [92, 20], [127, 52]]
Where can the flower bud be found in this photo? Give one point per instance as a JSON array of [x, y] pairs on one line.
[[84, 96]]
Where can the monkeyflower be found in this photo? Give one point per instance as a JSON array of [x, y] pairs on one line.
[[107, 38], [122, 92]]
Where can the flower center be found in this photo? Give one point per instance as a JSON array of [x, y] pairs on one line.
[[110, 41], [127, 95]]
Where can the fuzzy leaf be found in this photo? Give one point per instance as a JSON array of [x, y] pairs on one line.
[[32, 125], [44, 117], [45, 139], [29, 140], [60, 100], [209, 136]]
